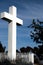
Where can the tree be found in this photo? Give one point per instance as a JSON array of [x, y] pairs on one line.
[[37, 36], [2, 49], [40, 49], [37, 33], [17, 51], [26, 50], [36, 49], [23, 50]]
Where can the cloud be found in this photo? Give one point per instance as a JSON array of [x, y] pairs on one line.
[[34, 10]]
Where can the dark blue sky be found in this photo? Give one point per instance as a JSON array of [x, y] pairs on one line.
[[26, 10]]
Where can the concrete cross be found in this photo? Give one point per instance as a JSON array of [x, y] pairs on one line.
[[11, 17]]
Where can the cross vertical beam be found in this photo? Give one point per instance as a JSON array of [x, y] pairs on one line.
[[12, 40]]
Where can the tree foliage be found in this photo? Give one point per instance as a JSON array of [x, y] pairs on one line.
[[2, 49], [37, 33], [17, 51], [26, 50], [37, 36]]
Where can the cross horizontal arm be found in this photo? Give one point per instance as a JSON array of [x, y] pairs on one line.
[[19, 21], [6, 16]]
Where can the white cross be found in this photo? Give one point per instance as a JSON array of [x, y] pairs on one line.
[[11, 17]]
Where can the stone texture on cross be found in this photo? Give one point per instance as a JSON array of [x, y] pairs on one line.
[[11, 17]]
